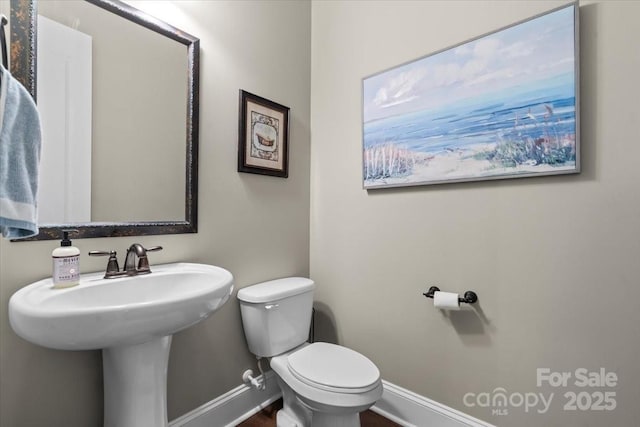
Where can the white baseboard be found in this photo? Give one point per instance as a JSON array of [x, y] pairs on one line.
[[412, 410], [397, 404], [233, 407]]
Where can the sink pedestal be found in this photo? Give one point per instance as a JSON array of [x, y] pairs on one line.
[[135, 384]]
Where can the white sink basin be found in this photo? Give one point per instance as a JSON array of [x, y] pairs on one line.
[[132, 319], [101, 313]]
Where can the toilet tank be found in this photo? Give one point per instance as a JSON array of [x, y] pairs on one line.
[[276, 315]]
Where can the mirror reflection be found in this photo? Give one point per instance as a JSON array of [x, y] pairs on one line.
[[120, 102], [113, 101]]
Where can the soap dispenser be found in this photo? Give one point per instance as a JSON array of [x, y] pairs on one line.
[[66, 263]]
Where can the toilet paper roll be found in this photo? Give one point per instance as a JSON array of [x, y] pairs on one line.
[[446, 301]]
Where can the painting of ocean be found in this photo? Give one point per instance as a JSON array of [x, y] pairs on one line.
[[501, 106]]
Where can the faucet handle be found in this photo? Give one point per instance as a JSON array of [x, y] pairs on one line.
[[112, 265], [102, 253], [143, 262]]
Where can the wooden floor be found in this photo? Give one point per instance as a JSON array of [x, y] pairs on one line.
[[267, 418]]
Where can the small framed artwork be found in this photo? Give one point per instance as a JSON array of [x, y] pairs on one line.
[[263, 146], [503, 105]]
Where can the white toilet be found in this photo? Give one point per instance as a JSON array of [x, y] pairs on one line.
[[323, 385]]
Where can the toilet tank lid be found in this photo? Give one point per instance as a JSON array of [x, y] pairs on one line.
[[274, 290]]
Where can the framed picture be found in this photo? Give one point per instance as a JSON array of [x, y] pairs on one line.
[[503, 105], [263, 145]]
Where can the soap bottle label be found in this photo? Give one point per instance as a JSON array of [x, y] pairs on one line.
[[66, 269]]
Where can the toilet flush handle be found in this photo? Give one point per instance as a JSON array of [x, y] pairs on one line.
[[270, 306]]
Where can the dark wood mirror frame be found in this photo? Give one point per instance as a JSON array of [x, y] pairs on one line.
[[24, 66]]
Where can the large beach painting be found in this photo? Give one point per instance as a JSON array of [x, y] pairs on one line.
[[503, 105]]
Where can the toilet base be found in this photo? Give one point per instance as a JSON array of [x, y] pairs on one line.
[[283, 419], [324, 419], [294, 413]]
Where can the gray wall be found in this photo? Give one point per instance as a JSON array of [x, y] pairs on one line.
[[255, 226], [554, 259]]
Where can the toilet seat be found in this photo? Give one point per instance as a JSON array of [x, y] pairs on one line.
[[333, 368], [315, 393]]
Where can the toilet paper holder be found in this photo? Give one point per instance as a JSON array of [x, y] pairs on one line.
[[469, 297]]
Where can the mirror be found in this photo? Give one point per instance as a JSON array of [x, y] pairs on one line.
[[135, 81]]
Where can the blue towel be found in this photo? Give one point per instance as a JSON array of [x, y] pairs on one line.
[[20, 140]]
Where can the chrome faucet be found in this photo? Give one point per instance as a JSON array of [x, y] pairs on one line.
[[136, 250]]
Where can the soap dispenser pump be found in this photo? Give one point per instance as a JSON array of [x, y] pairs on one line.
[[66, 263]]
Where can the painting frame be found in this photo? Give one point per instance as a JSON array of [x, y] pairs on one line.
[[263, 136], [560, 152]]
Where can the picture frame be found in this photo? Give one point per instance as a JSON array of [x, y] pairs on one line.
[[263, 136], [502, 105]]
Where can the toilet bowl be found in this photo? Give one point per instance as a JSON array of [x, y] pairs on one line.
[[323, 384]]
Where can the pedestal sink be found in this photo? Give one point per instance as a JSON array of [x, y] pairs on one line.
[[131, 319]]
